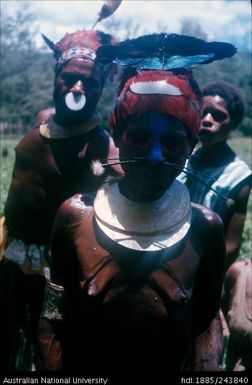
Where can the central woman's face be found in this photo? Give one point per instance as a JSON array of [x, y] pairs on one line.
[[156, 138]]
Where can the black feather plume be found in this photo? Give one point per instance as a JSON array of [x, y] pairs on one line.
[[48, 42], [162, 51]]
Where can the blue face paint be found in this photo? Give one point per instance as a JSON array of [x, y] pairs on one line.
[[155, 155], [155, 137], [158, 125]]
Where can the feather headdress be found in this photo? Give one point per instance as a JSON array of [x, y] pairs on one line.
[[80, 44], [165, 52], [84, 43], [155, 84]]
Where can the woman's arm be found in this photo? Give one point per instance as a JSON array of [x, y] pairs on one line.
[[208, 286]]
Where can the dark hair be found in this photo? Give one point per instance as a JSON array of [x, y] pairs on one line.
[[105, 38], [232, 96]]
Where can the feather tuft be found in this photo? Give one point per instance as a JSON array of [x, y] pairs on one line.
[[97, 168], [108, 8]]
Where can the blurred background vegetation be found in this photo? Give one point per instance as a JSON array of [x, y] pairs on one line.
[[27, 72], [27, 84]]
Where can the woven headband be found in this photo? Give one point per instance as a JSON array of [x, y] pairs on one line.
[[74, 53]]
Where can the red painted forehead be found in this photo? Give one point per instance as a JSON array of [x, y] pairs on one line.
[[162, 92], [87, 39]]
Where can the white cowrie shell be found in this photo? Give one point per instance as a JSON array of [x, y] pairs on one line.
[[75, 102]]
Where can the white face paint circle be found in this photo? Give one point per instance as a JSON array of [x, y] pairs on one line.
[[75, 102]]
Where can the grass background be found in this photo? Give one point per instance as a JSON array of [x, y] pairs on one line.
[[241, 145]]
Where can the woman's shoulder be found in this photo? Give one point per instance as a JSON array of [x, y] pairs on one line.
[[205, 217], [207, 231], [237, 268], [73, 209]]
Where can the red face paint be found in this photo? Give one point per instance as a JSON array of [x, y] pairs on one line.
[[162, 92]]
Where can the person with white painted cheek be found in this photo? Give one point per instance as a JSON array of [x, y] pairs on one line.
[[53, 162], [136, 279], [66, 142], [78, 82], [223, 110]]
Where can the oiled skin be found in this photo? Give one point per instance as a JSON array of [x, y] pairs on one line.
[[239, 344], [46, 172], [134, 311]]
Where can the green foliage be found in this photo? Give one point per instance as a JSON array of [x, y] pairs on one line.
[[242, 146], [15, 35], [6, 146], [29, 90], [237, 71], [26, 73], [246, 249]]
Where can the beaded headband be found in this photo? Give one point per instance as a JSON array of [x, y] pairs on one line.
[[75, 53]]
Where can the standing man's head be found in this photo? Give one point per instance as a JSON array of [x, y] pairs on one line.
[[79, 78], [223, 110]]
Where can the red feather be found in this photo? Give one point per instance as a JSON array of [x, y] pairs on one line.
[[108, 8]]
